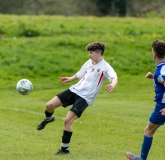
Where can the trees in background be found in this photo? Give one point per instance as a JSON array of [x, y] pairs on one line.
[[112, 7], [86, 7]]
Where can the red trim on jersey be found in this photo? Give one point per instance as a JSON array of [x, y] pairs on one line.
[[101, 77]]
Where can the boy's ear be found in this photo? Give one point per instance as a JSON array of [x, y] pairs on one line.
[[154, 54]]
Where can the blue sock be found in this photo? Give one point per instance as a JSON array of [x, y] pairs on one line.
[[147, 142]]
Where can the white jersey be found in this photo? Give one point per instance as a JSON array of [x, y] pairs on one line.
[[91, 78]]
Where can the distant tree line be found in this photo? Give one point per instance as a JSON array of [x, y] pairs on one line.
[[86, 7]]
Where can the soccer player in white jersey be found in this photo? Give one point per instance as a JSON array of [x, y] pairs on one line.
[[157, 117], [81, 95]]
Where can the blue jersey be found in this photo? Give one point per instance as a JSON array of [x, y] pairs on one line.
[[159, 81]]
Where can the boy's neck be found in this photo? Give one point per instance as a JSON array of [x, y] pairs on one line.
[[96, 62], [160, 61]]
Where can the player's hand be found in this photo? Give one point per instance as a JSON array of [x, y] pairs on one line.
[[64, 79], [109, 88], [162, 112], [149, 75]]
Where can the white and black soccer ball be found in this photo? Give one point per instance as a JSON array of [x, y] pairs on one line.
[[24, 86]]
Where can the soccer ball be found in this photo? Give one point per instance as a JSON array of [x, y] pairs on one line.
[[24, 86]]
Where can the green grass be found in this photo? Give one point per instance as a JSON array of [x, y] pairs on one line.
[[106, 130], [62, 40], [41, 48]]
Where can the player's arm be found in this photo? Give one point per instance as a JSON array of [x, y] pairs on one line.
[[111, 86], [68, 79], [149, 75]]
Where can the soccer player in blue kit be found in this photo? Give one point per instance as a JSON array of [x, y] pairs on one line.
[[82, 94], [157, 117]]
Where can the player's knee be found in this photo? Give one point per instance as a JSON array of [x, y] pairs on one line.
[[145, 130], [49, 106], [67, 121], [148, 132]]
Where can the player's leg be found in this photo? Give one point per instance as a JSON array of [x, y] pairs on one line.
[[147, 142], [53, 104], [67, 133], [75, 112], [69, 119], [50, 106], [148, 138], [155, 121], [64, 99]]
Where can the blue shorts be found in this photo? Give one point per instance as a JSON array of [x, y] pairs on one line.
[[156, 117]]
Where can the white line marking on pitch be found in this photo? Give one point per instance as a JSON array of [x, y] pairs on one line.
[[32, 112]]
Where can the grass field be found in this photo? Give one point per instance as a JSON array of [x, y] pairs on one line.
[[40, 48], [106, 130]]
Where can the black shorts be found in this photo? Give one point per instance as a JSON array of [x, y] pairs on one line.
[[69, 98]]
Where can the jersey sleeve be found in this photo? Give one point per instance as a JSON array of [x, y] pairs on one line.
[[110, 73], [161, 77]]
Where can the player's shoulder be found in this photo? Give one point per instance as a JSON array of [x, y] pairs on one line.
[[161, 65], [106, 64], [161, 68], [87, 62]]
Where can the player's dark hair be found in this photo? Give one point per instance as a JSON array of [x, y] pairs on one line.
[[159, 48], [97, 47]]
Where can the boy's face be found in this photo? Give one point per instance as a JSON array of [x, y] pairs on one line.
[[94, 55]]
